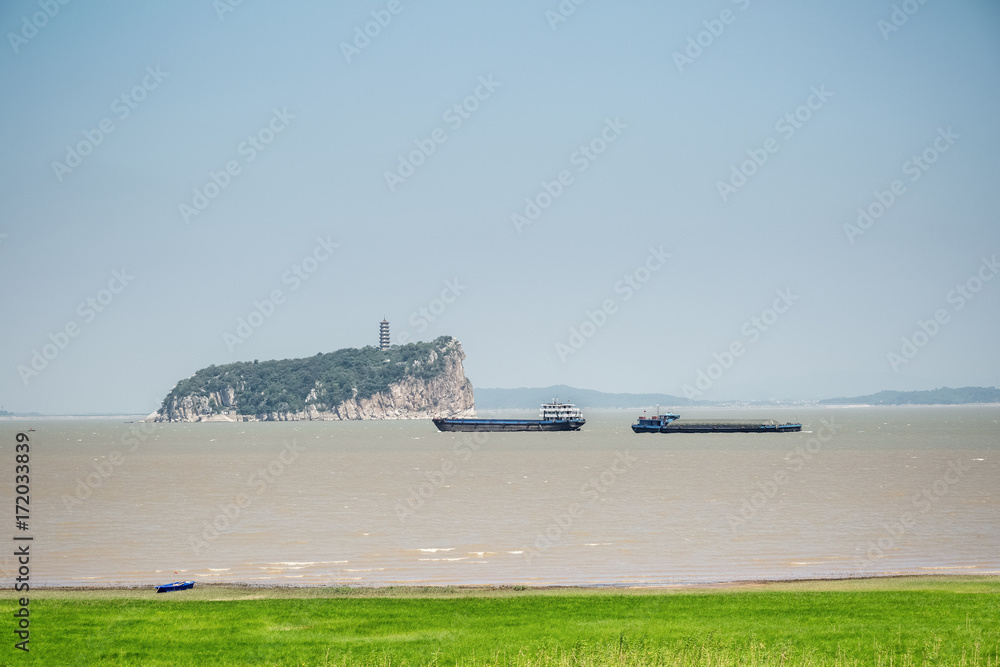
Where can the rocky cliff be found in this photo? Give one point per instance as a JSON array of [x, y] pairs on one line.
[[415, 381]]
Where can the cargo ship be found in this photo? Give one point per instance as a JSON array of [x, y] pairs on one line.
[[552, 417], [671, 423]]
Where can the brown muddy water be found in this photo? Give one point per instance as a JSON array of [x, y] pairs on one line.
[[859, 492]]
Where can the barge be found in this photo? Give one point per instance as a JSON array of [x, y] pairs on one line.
[[552, 417], [672, 423], [729, 426]]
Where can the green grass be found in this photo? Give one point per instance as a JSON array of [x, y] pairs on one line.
[[905, 621]]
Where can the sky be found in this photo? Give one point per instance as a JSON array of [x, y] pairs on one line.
[[725, 200]]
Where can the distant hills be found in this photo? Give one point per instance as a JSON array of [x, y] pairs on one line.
[[942, 396], [4, 413], [529, 398], [524, 398]]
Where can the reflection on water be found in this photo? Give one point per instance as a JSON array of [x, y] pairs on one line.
[[875, 491]]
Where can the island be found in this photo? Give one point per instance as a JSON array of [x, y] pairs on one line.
[[414, 381], [940, 396]]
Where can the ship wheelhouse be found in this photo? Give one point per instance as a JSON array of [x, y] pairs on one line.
[[559, 412]]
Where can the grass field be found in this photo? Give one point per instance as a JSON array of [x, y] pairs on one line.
[[896, 621]]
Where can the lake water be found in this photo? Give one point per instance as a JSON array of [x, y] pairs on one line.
[[860, 491]]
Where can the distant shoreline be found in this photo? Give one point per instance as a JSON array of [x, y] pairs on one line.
[[430, 589], [905, 405], [136, 418], [472, 590]]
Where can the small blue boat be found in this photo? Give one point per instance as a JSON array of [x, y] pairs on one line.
[[176, 586]]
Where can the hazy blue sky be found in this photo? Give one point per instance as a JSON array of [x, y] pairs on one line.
[[739, 138]]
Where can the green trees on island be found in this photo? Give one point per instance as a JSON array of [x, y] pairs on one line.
[[285, 385]]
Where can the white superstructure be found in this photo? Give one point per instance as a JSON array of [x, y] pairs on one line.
[[559, 412]]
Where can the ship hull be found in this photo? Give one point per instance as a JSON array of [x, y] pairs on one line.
[[729, 427], [508, 425]]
